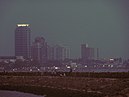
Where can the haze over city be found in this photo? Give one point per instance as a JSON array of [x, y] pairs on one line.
[[102, 24]]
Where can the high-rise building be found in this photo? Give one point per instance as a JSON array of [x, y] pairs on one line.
[[50, 52], [58, 52], [22, 40], [66, 53], [97, 53], [39, 50], [86, 52], [83, 51]]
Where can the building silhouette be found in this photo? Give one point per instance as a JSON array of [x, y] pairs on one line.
[[39, 50], [87, 53], [50, 52], [97, 53], [22, 40], [58, 52]]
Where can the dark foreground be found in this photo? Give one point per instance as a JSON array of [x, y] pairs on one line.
[[49, 92], [67, 86]]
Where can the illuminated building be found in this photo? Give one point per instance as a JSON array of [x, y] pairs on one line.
[[22, 40]]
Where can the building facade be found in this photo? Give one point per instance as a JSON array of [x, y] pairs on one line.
[[87, 53], [39, 50], [50, 52], [58, 52], [22, 40]]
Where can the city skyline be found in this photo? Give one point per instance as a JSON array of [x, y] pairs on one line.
[[101, 24]]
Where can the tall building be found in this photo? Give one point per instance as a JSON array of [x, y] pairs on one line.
[[83, 51], [58, 52], [66, 53], [22, 40], [50, 52], [39, 50], [87, 53], [97, 53]]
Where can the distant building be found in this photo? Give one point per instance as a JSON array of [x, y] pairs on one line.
[[66, 53], [97, 53], [87, 53], [50, 53], [22, 40], [58, 52], [39, 50]]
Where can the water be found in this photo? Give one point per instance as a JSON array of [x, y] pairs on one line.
[[4, 93], [101, 70]]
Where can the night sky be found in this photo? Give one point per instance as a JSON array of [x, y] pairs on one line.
[[103, 24]]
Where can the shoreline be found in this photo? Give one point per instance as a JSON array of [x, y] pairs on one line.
[[50, 92], [9, 93], [65, 86]]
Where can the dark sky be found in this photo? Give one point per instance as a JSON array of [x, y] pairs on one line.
[[103, 24]]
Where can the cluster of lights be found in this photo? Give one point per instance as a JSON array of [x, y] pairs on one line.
[[22, 25]]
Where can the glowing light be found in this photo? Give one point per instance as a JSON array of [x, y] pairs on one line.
[[30, 69], [68, 67], [86, 66], [56, 68], [111, 59], [22, 25]]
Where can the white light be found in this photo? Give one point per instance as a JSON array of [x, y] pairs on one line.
[[56, 67], [85, 65], [111, 59], [22, 25], [68, 67]]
